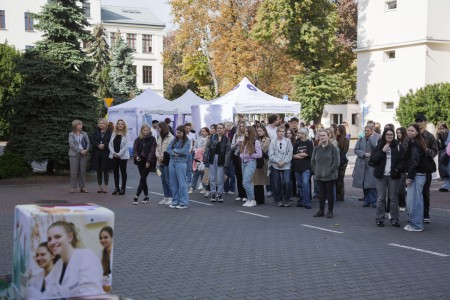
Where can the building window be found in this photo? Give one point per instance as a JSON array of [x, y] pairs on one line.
[[146, 43], [147, 74], [131, 41], [354, 116], [391, 5], [87, 9], [389, 55], [336, 118], [388, 105], [28, 22], [2, 19], [112, 38]]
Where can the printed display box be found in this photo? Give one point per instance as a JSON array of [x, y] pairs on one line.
[[62, 250]]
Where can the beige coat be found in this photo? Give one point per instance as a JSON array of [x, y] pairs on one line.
[[161, 147], [260, 175]]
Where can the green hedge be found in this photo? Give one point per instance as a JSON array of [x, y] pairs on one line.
[[12, 165]]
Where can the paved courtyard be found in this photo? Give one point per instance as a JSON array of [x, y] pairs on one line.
[[226, 251]]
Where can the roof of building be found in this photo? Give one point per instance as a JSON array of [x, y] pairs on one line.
[[129, 15]]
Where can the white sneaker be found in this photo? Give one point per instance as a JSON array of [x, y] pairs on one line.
[[244, 199], [231, 193], [410, 228], [163, 201], [252, 203], [202, 191], [238, 199], [168, 201], [246, 204], [191, 190], [269, 194], [206, 194], [402, 209]]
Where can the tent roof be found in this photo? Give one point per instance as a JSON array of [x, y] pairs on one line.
[[246, 98], [181, 105], [148, 99]]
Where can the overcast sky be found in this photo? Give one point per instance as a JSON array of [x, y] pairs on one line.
[[160, 8]]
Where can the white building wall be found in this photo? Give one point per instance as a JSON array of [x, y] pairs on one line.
[[438, 63], [380, 27], [16, 35], [381, 81], [141, 59], [438, 25]]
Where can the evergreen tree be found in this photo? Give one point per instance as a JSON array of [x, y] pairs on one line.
[[58, 87], [99, 51], [10, 83], [123, 79]]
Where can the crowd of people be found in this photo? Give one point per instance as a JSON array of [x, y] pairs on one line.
[[284, 160]]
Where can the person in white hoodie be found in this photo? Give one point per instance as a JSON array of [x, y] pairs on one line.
[[280, 157], [78, 272]]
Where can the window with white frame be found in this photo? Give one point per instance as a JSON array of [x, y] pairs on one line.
[[146, 43], [390, 5], [147, 74], [389, 55], [131, 41], [28, 22], [2, 19], [388, 105], [87, 9]]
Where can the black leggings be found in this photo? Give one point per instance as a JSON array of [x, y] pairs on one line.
[[105, 175], [143, 171], [120, 164]]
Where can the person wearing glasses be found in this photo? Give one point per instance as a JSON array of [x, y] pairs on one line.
[[388, 159], [280, 157]]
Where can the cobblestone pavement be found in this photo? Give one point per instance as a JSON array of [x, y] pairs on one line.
[[226, 251]]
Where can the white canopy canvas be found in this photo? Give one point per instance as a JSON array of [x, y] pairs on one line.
[[179, 106], [133, 111], [246, 98]]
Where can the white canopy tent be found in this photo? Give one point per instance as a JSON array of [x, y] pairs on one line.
[[179, 106], [133, 111], [245, 98]]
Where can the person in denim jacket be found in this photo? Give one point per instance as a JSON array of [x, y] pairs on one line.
[[178, 150]]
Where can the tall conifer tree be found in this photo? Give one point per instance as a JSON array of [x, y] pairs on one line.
[[58, 87]]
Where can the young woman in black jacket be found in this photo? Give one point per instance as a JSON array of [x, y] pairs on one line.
[[144, 153], [388, 159], [416, 170]]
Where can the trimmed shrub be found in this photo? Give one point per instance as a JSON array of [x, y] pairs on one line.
[[12, 165]]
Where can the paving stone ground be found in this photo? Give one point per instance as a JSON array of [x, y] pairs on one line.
[[220, 252]]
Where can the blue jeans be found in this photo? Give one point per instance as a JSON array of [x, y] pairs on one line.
[[230, 183], [197, 174], [177, 182], [304, 188], [370, 196], [414, 201], [216, 176], [189, 159], [248, 168], [165, 181], [280, 182]]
